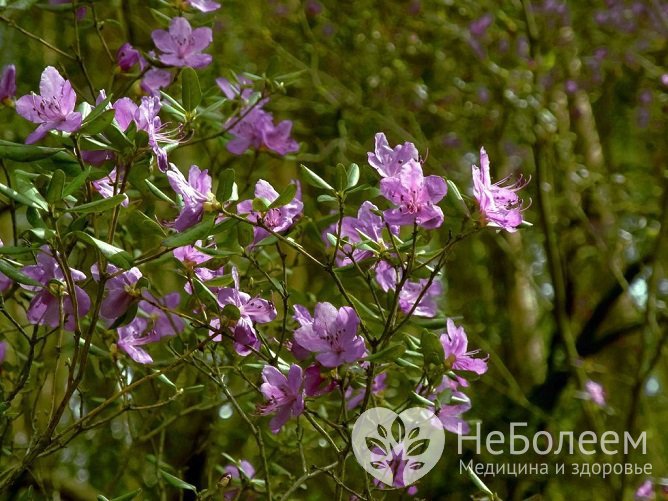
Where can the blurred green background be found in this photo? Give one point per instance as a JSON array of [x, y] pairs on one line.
[[573, 94]]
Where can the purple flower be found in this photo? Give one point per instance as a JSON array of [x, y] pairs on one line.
[[499, 205], [595, 392], [645, 492], [181, 45], [388, 161], [450, 415], [195, 192], [161, 322], [278, 219], [415, 196], [251, 311], [127, 57], [121, 291], [45, 305], [314, 384], [5, 281], [284, 395], [135, 334], [387, 277], [330, 333], [354, 397], [105, 186], [455, 344], [203, 5], [53, 108], [156, 79], [243, 88], [3, 351], [146, 118], [192, 258], [235, 473], [8, 83], [368, 225], [257, 130]]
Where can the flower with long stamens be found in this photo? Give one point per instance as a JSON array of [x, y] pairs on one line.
[[499, 205], [388, 161]]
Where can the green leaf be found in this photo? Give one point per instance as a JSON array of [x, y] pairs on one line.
[[286, 196], [191, 92], [245, 234], [97, 111], [117, 137], [114, 255], [101, 205], [314, 180], [389, 354], [191, 235], [353, 176], [232, 312], [225, 185], [177, 482], [128, 496], [433, 355], [77, 182], [158, 192], [23, 199], [98, 124], [260, 204], [16, 275], [25, 152], [205, 294], [54, 192]]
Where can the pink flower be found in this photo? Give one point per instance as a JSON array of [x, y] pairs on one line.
[[499, 205], [278, 219], [330, 333], [415, 197], [645, 492], [195, 192], [181, 45], [7, 83], [53, 108], [284, 395], [251, 311], [204, 5], [44, 308], [387, 277], [127, 57], [455, 344], [388, 161], [595, 392]]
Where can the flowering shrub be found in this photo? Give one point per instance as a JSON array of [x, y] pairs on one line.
[[152, 290]]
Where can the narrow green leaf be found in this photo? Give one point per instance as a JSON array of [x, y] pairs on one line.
[[177, 482], [314, 180], [100, 123], [225, 185], [25, 152], [22, 199], [101, 205], [191, 235], [232, 312], [260, 204], [16, 275], [191, 92], [54, 192], [353, 176], [97, 111], [77, 182], [286, 196], [205, 294], [128, 496], [114, 255], [158, 192], [389, 354]]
